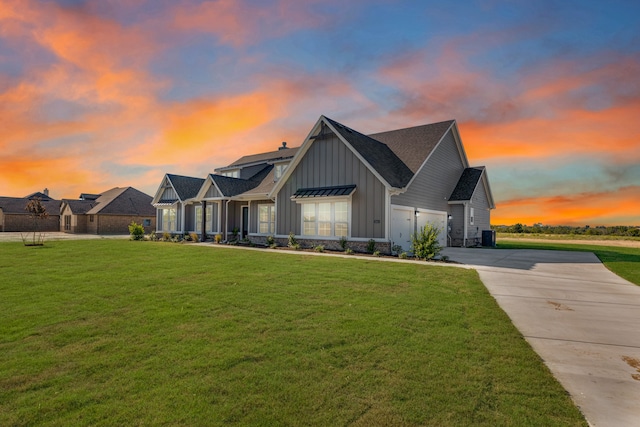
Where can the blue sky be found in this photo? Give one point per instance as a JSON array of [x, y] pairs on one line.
[[98, 94]]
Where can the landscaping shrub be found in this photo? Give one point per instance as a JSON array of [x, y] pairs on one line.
[[371, 246], [343, 243], [136, 231], [293, 242], [424, 244]]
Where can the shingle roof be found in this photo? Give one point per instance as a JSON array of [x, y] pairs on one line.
[[377, 154], [39, 194], [467, 184], [187, 187], [233, 186], [79, 207], [271, 156], [16, 205], [413, 145], [123, 201], [265, 186]]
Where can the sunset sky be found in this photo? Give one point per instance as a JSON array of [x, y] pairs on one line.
[[103, 93]]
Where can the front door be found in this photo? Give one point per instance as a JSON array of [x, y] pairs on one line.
[[245, 221], [402, 227]]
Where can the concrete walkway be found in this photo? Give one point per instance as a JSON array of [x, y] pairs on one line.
[[583, 321]]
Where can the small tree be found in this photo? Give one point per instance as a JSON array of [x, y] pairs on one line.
[[424, 244], [37, 212]]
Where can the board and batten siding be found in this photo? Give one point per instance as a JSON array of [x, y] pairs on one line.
[[254, 214], [328, 162], [212, 192], [436, 180]]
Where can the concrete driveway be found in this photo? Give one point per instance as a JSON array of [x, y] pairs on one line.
[[583, 321]]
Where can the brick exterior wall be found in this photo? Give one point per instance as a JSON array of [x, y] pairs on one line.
[[117, 224], [23, 222]]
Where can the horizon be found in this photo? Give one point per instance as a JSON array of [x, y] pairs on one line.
[[97, 95]]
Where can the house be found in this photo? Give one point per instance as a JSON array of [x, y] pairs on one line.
[[14, 217], [341, 183], [224, 196], [110, 212]]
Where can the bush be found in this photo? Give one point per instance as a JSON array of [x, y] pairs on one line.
[[166, 236], [376, 253], [319, 248], [402, 255], [371, 246], [348, 251], [396, 250], [343, 243], [194, 237], [136, 231], [218, 238], [424, 244], [293, 242], [271, 241]]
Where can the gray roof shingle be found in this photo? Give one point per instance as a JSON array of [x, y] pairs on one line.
[[233, 186], [187, 187], [123, 201], [413, 145], [270, 156], [466, 184], [17, 205], [377, 154]]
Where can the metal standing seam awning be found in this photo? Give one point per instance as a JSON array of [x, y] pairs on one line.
[[165, 203], [336, 191]]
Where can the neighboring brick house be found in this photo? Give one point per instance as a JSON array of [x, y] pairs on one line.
[[339, 183], [110, 212], [14, 217]]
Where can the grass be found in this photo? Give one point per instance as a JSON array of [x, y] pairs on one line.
[[113, 332], [573, 237], [623, 261]]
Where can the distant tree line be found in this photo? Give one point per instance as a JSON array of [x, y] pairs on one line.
[[616, 230]]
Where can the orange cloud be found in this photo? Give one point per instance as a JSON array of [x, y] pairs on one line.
[[598, 208]]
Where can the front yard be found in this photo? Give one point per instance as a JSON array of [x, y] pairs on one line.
[[113, 332]]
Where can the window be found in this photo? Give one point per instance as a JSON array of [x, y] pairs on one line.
[[471, 216], [90, 218], [208, 219], [67, 222], [279, 170], [325, 219], [232, 174], [146, 223], [169, 219], [266, 219]]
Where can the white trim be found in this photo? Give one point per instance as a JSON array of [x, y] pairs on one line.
[[258, 222], [316, 201]]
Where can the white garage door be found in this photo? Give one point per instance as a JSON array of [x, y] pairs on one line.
[[438, 219], [402, 227]]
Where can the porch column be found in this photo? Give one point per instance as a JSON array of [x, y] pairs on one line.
[[204, 221]]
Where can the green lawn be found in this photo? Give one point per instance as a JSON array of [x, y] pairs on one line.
[[113, 332], [623, 261]]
